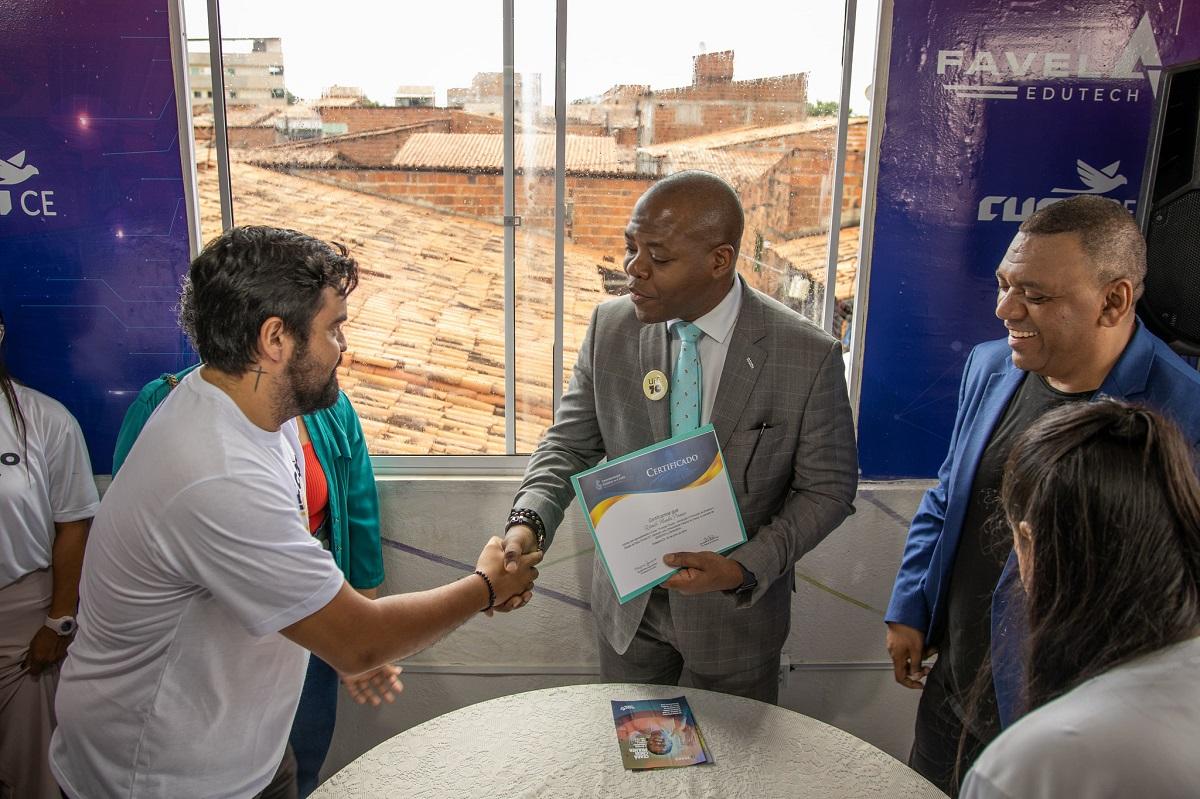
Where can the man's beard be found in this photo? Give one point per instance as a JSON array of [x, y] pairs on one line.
[[306, 389]]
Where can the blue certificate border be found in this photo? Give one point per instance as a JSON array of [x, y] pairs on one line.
[[706, 430]]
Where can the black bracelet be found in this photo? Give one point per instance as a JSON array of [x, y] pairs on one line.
[[491, 591], [529, 518]]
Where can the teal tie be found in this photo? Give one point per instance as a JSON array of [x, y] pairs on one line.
[[685, 380]]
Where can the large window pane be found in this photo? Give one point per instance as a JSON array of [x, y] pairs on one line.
[[397, 152], [751, 96], [390, 150], [534, 59]]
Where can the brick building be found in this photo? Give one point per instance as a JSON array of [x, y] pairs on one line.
[[485, 95], [462, 173], [783, 174], [342, 97], [259, 126], [714, 102]]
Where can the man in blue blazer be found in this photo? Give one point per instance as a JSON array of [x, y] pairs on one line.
[[1067, 288]]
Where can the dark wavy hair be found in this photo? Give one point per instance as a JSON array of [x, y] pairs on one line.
[[1110, 492], [249, 274]]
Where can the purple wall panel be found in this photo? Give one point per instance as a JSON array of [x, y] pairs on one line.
[[993, 107], [93, 237]]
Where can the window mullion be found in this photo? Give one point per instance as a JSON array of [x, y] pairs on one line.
[[183, 110], [220, 132], [510, 238], [560, 196], [839, 169]]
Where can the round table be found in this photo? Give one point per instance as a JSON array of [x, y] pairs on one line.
[[560, 742]]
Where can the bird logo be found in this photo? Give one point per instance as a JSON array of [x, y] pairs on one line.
[[14, 170], [1098, 181]]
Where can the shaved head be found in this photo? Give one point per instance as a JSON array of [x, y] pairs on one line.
[[711, 206], [681, 246]]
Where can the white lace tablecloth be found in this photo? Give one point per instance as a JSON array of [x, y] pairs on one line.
[[560, 742]]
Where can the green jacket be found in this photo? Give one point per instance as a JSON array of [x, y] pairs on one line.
[[338, 443]]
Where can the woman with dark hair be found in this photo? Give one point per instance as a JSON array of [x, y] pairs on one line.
[[47, 500], [1104, 505]]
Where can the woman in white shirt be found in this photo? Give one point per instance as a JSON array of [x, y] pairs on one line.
[[47, 500], [1104, 504]]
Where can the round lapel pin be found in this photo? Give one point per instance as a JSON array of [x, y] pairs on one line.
[[654, 385]]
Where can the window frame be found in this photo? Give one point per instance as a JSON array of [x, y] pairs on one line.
[[512, 463]]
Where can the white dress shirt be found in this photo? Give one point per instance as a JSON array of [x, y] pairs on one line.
[[717, 326]]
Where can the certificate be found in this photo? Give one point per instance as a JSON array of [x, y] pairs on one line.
[[674, 496]]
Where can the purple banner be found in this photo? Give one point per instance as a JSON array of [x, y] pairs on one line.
[[93, 234], [994, 108]]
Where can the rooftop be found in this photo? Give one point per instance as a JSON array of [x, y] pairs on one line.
[[425, 364], [740, 136], [810, 255], [739, 168], [256, 116], [485, 151]]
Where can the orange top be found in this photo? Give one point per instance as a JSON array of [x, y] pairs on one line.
[[316, 489]]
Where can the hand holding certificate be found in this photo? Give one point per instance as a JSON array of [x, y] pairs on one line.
[[670, 497]]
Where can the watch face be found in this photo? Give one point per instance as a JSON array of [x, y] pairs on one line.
[[63, 626]]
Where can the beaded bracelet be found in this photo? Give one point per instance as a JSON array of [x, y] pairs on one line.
[[529, 518], [491, 591]]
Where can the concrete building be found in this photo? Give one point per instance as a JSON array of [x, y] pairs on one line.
[[415, 97], [253, 72], [342, 97], [485, 95]]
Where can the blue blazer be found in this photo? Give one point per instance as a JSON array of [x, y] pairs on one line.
[[1147, 372]]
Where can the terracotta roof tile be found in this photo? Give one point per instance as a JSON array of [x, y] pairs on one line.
[[731, 138], [810, 254], [286, 156], [739, 168], [254, 116], [484, 151], [425, 364]]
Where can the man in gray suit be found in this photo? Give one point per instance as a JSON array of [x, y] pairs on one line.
[[772, 385]]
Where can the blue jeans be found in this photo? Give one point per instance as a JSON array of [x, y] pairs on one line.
[[312, 729]]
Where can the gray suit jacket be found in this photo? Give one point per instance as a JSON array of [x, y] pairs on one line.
[[780, 370]]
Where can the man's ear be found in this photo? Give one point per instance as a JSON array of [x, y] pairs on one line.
[[1118, 302], [724, 260], [274, 343]]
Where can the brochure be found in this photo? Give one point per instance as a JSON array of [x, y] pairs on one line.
[[674, 496], [658, 733]]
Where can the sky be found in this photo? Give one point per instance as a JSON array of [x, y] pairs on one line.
[[380, 45]]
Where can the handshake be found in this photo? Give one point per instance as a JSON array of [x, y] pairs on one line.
[[698, 572], [509, 568]]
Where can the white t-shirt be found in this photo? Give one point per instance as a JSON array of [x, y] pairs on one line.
[[179, 683], [47, 479], [1134, 731]]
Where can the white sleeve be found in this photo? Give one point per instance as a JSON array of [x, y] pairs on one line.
[[72, 487], [243, 539], [977, 786]]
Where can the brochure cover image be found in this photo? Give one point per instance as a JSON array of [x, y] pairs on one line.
[[658, 733]]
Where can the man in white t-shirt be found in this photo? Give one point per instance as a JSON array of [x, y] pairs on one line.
[[202, 587], [47, 500]]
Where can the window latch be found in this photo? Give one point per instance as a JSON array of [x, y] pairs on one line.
[[512, 221]]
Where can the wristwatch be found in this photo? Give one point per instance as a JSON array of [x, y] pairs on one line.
[[63, 625], [749, 582]]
